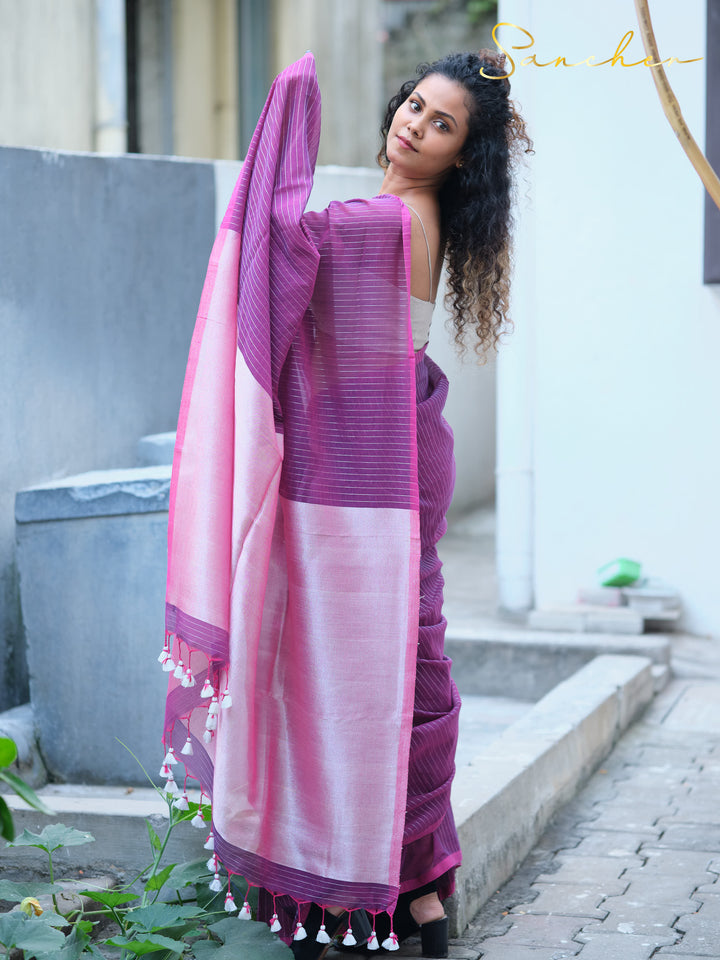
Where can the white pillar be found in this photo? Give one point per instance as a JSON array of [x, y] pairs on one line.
[[515, 383], [110, 77]]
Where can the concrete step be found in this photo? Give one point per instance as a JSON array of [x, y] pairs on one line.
[[518, 762], [495, 659], [506, 795]]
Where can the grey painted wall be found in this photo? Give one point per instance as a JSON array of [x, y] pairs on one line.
[[102, 263]]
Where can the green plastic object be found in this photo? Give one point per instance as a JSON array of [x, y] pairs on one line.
[[619, 573]]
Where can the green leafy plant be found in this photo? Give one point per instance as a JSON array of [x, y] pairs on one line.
[[8, 756], [164, 921]]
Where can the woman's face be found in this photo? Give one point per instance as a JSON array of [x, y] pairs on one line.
[[429, 129]]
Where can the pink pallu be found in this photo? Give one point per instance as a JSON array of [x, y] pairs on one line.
[[311, 698]]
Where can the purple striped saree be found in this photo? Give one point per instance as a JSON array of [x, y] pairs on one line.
[[309, 694]]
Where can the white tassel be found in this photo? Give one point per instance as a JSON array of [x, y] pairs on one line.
[[179, 670], [372, 943], [275, 924], [226, 700], [171, 787], [187, 750], [214, 708], [188, 680], [210, 842], [164, 654], [391, 942], [211, 722], [212, 864], [207, 688], [165, 770], [182, 803], [322, 935], [300, 932], [349, 940], [170, 758], [245, 912], [215, 884], [168, 665], [197, 820], [230, 904], [207, 736]]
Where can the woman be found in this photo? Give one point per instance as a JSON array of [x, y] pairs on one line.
[[312, 474]]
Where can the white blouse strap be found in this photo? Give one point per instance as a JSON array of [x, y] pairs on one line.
[[426, 244]]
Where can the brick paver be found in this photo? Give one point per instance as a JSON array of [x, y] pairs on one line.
[[630, 869]]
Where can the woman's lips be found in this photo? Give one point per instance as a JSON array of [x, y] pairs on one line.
[[406, 143]]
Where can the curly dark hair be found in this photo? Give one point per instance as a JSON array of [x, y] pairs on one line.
[[475, 199]]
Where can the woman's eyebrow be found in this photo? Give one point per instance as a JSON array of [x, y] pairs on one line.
[[441, 112]]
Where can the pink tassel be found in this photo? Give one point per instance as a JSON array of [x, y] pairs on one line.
[[391, 942], [187, 750], [275, 924], [300, 932], [207, 688], [210, 842], [165, 653], [215, 884], [230, 903], [245, 912]]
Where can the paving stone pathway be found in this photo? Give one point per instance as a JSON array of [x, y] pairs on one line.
[[630, 868]]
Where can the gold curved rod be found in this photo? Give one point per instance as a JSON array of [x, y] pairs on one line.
[[671, 107]]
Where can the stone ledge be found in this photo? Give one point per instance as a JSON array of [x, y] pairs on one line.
[[504, 800], [98, 493]]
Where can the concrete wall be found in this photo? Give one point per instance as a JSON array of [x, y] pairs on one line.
[[622, 369], [103, 263], [92, 554]]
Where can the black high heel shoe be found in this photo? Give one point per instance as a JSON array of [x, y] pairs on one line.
[[433, 935], [309, 949]]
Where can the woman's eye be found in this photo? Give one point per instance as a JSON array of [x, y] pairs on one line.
[[414, 103], [443, 125]]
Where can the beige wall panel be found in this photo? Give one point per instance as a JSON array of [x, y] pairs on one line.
[[47, 73], [344, 38]]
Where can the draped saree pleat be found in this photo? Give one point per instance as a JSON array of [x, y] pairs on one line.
[[309, 694]]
